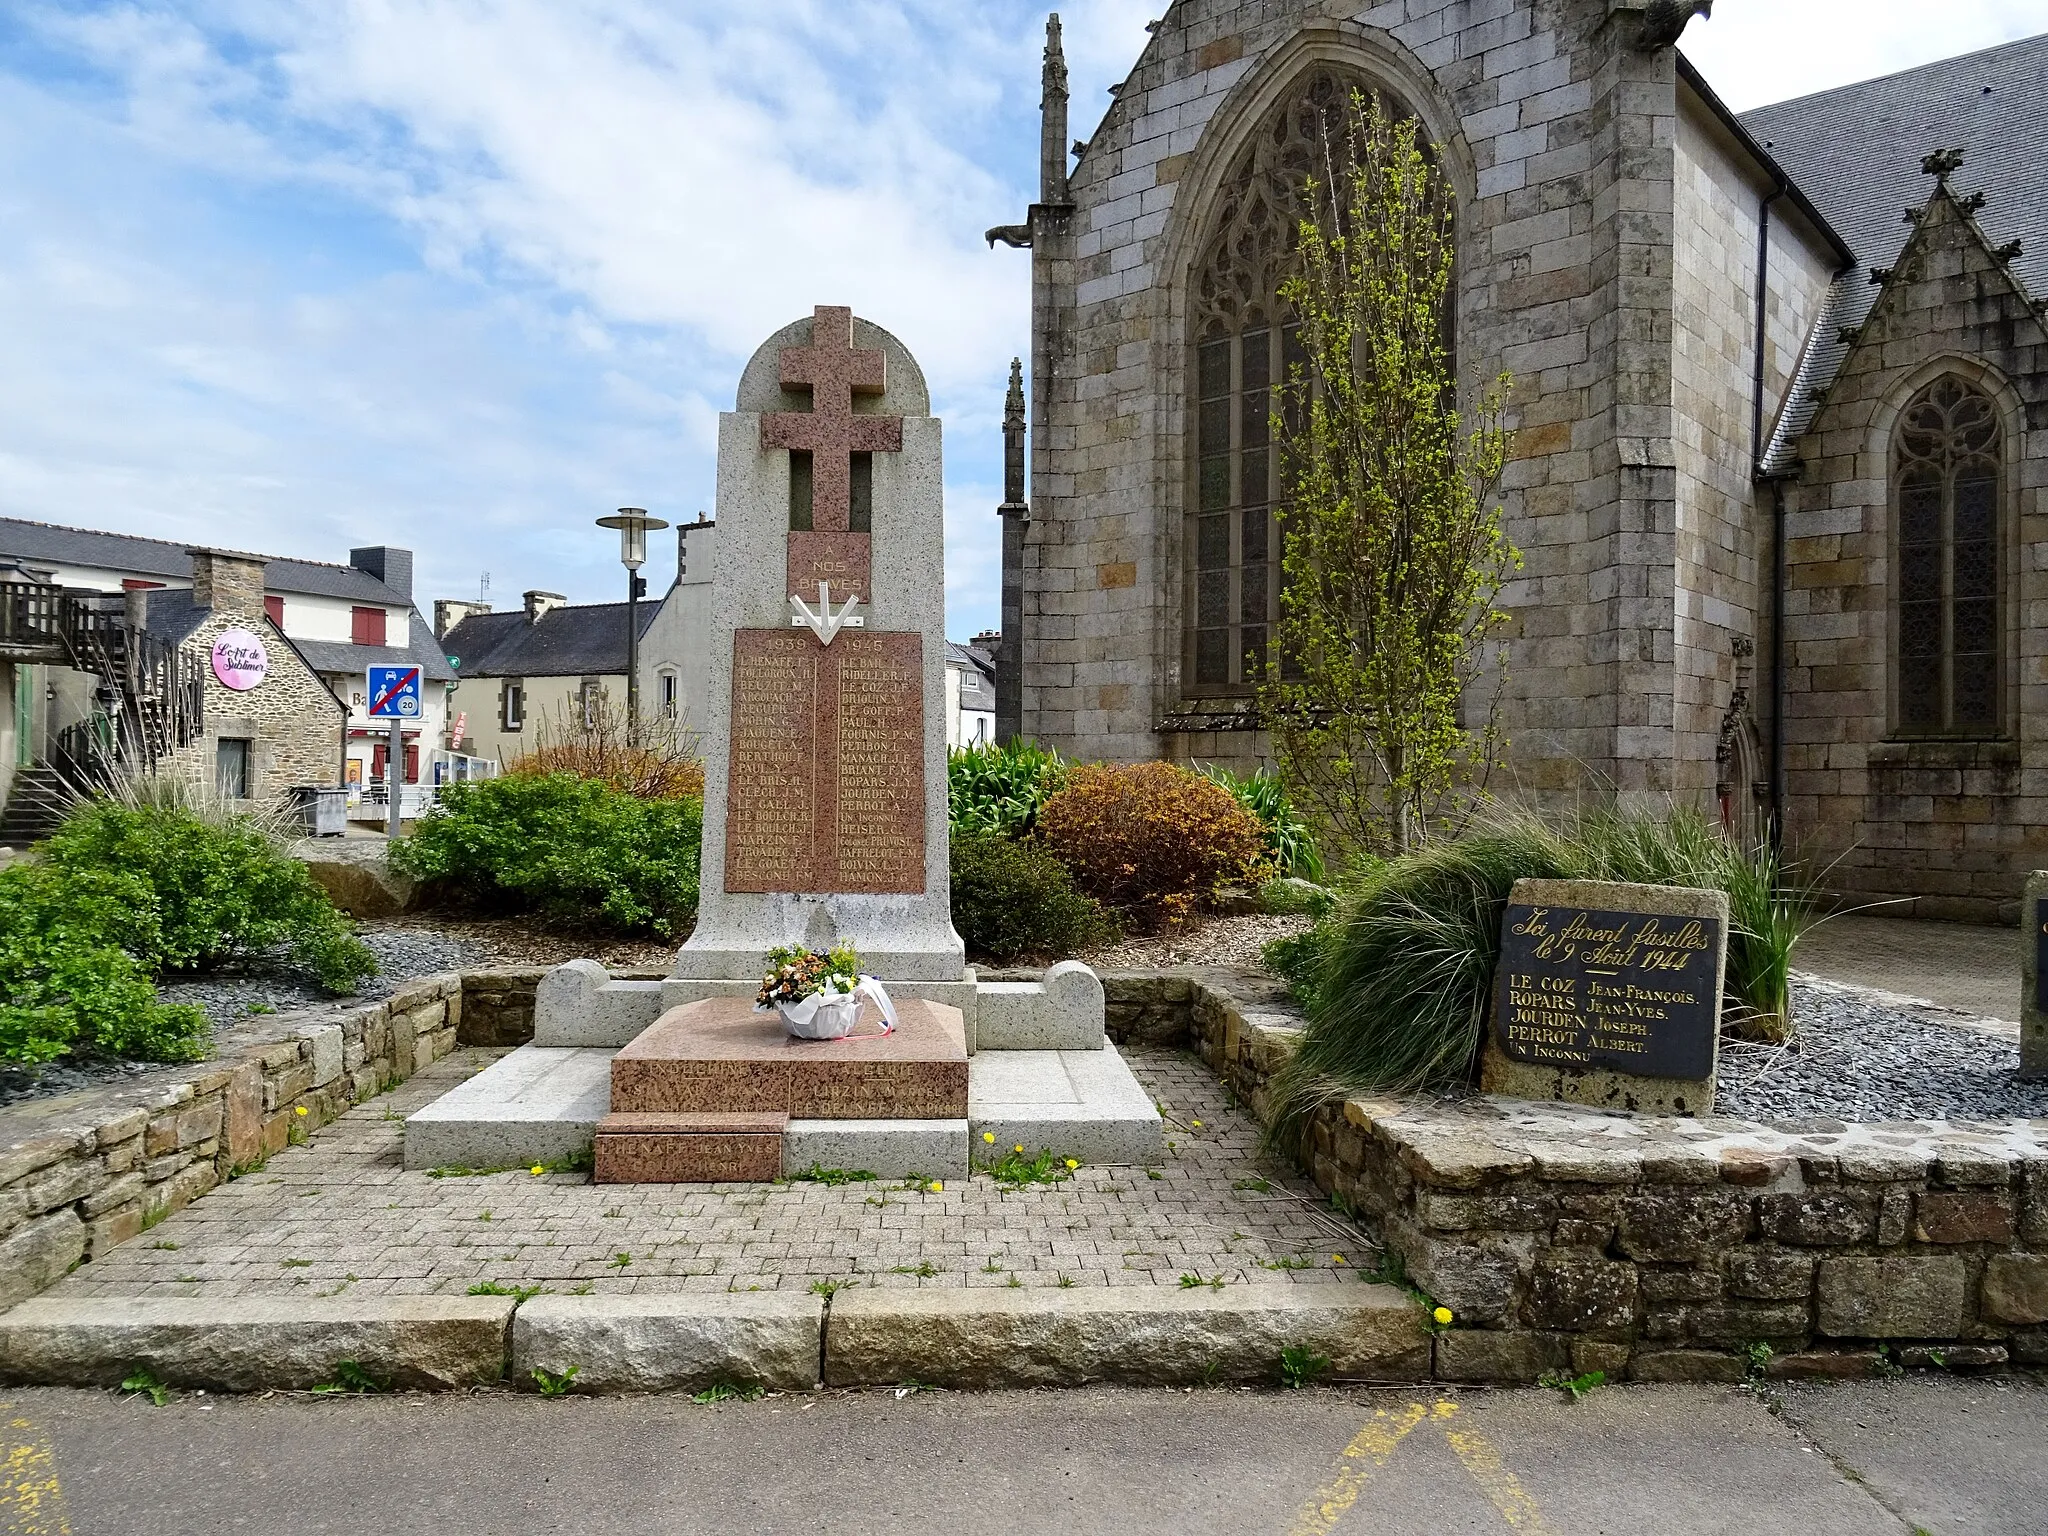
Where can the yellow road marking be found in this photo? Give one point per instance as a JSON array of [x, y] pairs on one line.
[[1367, 1452], [31, 1498], [1499, 1484], [1371, 1447]]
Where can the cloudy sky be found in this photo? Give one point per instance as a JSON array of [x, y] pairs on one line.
[[290, 275]]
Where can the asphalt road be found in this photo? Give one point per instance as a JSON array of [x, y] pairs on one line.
[[1937, 1455]]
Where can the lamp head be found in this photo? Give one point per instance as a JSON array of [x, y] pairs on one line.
[[633, 524]]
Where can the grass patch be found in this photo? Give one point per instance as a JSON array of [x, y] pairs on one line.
[[1573, 1387], [1301, 1367], [576, 1162], [349, 1376], [1016, 1171], [497, 1288], [828, 1176], [551, 1385], [140, 1383], [729, 1392], [923, 1269]]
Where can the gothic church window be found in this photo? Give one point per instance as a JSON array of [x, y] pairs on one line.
[[1945, 474], [1242, 346]]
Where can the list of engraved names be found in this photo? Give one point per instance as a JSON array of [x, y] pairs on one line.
[[826, 787], [1620, 991]]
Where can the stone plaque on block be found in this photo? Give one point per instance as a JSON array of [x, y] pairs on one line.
[[1609, 995], [720, 1055], [826, 787], [2034, 981], [688, 1149]]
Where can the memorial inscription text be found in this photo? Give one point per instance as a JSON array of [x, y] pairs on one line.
[[1615, 991], [825, 791]]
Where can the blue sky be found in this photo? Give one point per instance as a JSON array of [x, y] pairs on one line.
[[463, 275]]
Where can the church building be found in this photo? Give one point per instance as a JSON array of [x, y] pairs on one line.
[[1781, 412]]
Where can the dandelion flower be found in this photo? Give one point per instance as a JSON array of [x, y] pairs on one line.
[[936, 1186], [1336, 1258], [1020, 1149], [989, 1137], [537, 1170], [1442, 1315], [1198, 1125], [1071, 1163], [301, 1109]]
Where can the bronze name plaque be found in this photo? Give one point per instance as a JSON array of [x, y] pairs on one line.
[[1632, 992], [825, 782]]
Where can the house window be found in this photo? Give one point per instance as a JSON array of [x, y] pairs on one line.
[[1241, 348], [669, 695], [512, 705], [588, 696], [273, 609], [1945, 478], [366, 626], [231, 767]]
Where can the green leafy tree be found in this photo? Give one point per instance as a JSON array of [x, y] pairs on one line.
[[1395, 550]]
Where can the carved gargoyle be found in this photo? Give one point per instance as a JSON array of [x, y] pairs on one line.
[[1665, 21], [1016, 236]]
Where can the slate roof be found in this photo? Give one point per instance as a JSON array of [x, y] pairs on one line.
[[28, 541], [1856, 153], [421, 650], [977, 676], [575, 640]]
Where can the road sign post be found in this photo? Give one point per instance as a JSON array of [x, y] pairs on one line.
[[394, 695]]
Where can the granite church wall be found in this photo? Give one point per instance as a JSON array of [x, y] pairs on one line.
[[1947, 827], [1559, 136]]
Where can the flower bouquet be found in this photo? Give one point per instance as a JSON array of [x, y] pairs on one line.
[[819, 995]]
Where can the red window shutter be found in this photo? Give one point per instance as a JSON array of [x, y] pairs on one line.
[[412, 763], [367, 626], [377, 755], [273, 609]]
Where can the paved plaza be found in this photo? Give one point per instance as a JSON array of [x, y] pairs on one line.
[[1972, 969], [340, 1215]]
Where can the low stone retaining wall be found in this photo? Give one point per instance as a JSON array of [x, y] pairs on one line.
[[1670, 1249], [96, 1169]]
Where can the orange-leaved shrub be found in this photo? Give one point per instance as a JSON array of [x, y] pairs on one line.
[[1150, 840]]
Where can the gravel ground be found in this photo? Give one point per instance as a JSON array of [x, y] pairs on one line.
[[1854, 1058], [1209, 941]]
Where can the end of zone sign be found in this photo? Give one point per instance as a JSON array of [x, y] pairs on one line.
[[394, 693]]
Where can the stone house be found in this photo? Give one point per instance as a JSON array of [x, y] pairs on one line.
[[335, 621], [1738, 345], [553, 660]]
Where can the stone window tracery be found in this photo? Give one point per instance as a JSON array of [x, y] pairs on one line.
[[1945, 474], [1242, 346]]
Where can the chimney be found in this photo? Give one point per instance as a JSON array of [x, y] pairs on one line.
[[135, 603], [227, 581], [451, 611], [538, 603], [391, 566]]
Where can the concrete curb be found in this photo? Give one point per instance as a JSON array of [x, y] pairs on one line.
[[1138, 1334], [254, 1343], [664, 1342], [981, 1338]]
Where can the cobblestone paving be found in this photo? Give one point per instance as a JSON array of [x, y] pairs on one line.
[[342, 1215], [1957, 965]]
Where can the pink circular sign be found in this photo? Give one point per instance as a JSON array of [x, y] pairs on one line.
[[239, 660]]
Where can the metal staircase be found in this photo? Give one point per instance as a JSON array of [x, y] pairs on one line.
[[149, 698]]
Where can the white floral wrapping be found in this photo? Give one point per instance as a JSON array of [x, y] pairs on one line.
[[832, 1015]]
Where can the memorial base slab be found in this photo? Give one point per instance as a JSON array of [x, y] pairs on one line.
[[688, 1149]]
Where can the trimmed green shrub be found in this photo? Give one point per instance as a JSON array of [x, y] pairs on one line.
[[1397, 983], [1290, 845], [219, 890], [570, 847], [68, 979], [1012, 898], [1001, 788]]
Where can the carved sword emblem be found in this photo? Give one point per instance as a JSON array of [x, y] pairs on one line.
[[824, 622]]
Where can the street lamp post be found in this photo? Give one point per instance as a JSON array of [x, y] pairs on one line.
[[634, 525]]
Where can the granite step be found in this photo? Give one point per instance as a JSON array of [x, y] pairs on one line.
[[688, 1149]]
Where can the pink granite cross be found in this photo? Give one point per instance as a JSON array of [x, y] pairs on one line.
[[835, 371]]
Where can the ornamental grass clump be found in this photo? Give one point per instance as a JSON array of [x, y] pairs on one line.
[[1290, 845], [1000, 789], [1151, 841], [1397, 983]]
